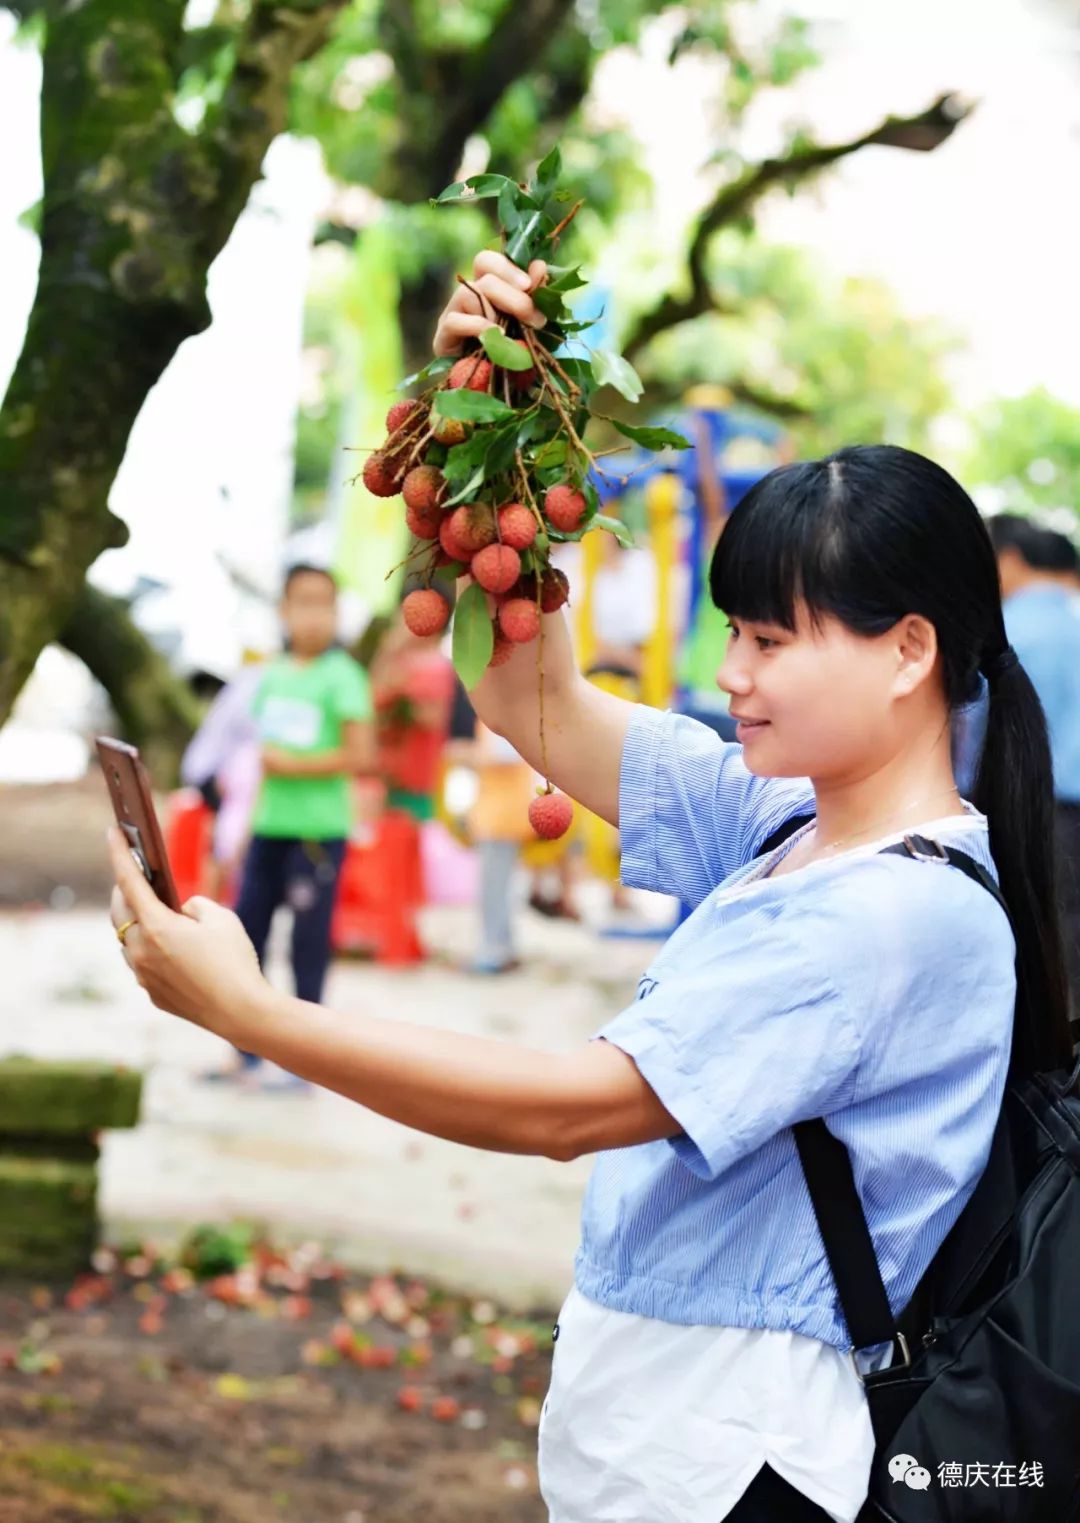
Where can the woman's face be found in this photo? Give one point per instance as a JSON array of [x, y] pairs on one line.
[[824, 702]]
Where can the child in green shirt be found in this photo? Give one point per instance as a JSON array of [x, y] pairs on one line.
[[313, 713]]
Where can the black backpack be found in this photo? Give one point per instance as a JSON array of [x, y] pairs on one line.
[[977, 1419]]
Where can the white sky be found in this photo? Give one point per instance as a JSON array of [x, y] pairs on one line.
[[983, 232]]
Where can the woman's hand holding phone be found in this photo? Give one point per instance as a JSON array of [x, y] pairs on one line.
[[198, 964]]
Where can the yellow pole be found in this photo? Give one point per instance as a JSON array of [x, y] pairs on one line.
[[658, 668]]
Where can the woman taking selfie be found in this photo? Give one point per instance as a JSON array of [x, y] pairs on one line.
[[703, 1369]]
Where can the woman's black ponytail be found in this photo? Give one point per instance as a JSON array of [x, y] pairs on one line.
[[1014, 789], [869, 535]]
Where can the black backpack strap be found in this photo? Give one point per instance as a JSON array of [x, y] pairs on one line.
[[782, 833], [831, 1182]]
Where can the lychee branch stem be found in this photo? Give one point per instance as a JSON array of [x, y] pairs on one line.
[[556, 234]]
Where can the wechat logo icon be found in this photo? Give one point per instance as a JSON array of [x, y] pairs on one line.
[[906, 1468]]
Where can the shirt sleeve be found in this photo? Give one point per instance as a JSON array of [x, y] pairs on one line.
[[754, 1039], [690, 811], [352, 691]]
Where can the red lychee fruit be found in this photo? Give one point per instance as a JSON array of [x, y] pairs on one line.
[[517, 526], [450, 543], [444, 1409], [382, 475], [472, 372], [502, 649], [450, 430], [497, 568], [550, 815], [425, 612], [473, 526], [424, 522], [520, 380], [424, 489], [554, 590], [519, 620], [565, 508], [400, 413], [410, 1399]]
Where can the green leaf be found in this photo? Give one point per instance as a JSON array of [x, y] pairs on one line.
[[452, 570], [550, 303], [547, 173], [505, 351], [612, 370], [475, 188], [473, 639], [614, 526], [468, 491], [651, 438], [429, 373], [550, 454], [509, 213], [462, 459], [522, 246], [568, 278], [500, 456], [471, 406]]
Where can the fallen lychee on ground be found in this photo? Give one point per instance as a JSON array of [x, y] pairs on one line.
[[492, 462]]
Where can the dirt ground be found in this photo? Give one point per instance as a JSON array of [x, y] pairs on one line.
[[139, 1396], [53, 839]]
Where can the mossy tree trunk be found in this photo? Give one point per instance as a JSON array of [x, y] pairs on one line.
[[155, 710], [134, 211]]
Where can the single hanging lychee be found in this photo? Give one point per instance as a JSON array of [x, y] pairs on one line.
[[517, 526], [425, 612], [519, 620], [382, 475], [473, 372], [497, 568], [473, 526], [424, 488], [550, 815], [564, 507]]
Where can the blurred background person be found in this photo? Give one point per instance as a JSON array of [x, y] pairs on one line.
[[1038, 569], [498, 824], [413, 691], [223, 762], [313, 713]]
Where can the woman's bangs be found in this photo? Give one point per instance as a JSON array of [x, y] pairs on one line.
[[770, 557]]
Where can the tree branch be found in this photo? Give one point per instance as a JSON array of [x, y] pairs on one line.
[[923, 132], [278, 35], [154, 708], [466, 86]]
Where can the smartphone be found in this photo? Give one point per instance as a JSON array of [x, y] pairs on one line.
[[128, 783]]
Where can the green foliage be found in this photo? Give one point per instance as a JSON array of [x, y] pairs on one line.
[[837, 354], [209, 1251], [1029, 448]]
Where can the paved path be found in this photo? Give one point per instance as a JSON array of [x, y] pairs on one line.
[[316, 1165]]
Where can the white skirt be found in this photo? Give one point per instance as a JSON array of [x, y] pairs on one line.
[[652, 1422]]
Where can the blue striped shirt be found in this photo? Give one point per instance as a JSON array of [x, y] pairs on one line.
[[873, 990]]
